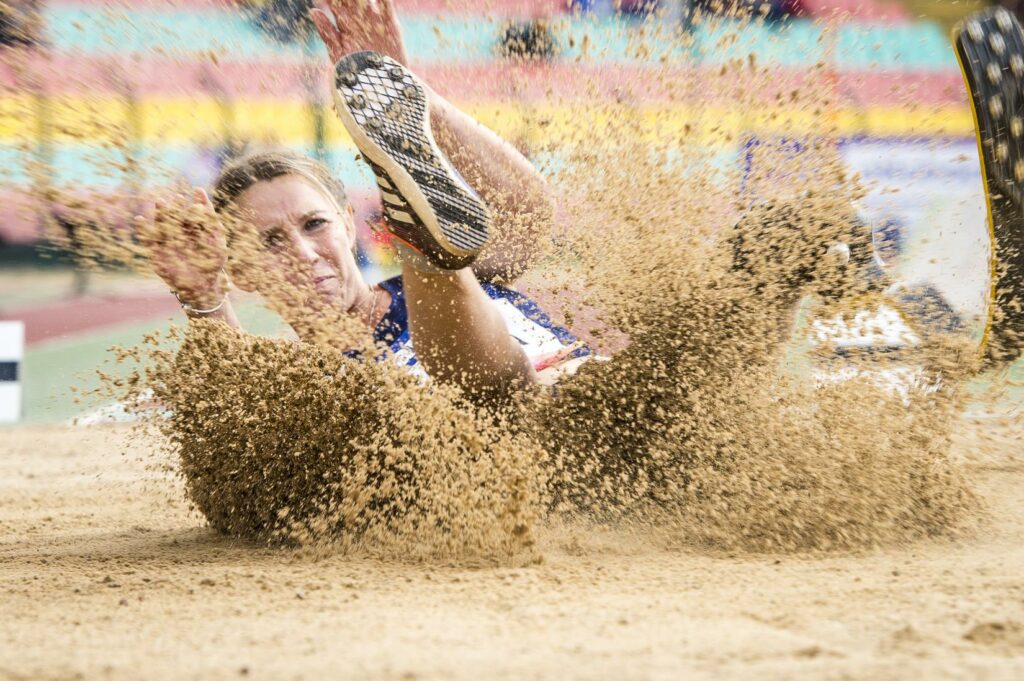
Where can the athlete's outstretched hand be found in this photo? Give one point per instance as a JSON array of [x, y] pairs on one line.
[[187, 248], [360, 25]]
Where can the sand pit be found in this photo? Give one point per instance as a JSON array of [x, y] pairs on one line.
[[692, 434], [107, 574]]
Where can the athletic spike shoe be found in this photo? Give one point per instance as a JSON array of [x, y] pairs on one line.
[[427, 204], [990, 48]]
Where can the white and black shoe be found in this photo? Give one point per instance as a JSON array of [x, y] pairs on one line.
[[990, 48], [427, 204]]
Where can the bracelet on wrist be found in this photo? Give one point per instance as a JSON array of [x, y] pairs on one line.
[[191, 309]]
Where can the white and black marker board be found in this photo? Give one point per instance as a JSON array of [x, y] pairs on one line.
[[12, 349]]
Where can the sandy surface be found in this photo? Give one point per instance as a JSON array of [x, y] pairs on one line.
[[105, 573]]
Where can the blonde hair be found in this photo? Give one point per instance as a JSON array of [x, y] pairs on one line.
[[264, 166]]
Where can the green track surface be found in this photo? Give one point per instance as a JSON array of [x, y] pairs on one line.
[[50, 370]]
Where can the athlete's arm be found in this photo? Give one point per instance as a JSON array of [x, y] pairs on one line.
[[519, 198], [225, 313], [186, 248]]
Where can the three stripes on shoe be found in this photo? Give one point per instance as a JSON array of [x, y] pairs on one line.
[[389, 110]]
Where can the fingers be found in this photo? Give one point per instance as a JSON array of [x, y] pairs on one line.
[[194, 220], [364, 14], [347, 11], [200, 196], [198, 221], [192, 234], [160, 222], [178, 218], [149, 236], [339, 8], [145, 230], [211, 226], [152, 231], [204, 208], [364, 6], [360, 25], [328, 33]]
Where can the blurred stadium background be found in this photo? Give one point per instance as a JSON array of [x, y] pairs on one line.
[[169, 90]]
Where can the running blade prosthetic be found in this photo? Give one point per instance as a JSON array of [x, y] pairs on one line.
[[990, 48], [427, 204]]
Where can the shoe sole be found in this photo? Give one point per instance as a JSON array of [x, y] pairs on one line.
[[428, 205], [990, 49]]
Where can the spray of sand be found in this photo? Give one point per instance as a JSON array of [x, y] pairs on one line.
[[695, 429]]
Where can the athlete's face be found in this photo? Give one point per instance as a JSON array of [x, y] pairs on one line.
[[304, 238]]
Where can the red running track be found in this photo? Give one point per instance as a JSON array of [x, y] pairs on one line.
[[75, 316], [523, 8]]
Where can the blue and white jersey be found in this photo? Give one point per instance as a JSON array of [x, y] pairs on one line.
[[552, 349]]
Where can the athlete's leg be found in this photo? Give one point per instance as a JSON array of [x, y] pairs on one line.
[[520, 201], [522, 209], [459, 334], [990, 47], [783, 251], [440, 223], [732, 327]]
